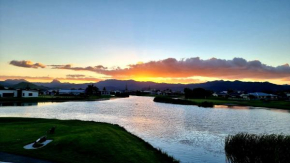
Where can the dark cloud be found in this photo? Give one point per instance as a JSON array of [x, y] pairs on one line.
[[47, 78], [70, 67], [27, 64], [75, 76]]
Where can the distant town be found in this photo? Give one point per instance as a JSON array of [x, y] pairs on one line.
[[25, 89]]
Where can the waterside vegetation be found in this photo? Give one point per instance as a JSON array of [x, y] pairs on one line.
[[250, 148], [165, 99]]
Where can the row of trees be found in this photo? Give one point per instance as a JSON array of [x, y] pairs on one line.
[[197, 93]]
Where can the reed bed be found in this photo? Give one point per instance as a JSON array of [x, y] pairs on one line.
[[251, 148]]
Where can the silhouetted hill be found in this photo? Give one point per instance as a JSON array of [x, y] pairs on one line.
[[10, 82], [55, 84], [121, 84], [239, 85], [213, 85], [24, 85], [112, 84]]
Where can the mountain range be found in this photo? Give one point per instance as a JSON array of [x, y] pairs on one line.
[[112, 84]]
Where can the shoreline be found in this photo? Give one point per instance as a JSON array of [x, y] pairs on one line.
[[284, 105], [55, 99]]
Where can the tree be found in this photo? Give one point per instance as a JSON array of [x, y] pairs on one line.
[[197, 93], [187, 92], [104, 89], [91, 90]]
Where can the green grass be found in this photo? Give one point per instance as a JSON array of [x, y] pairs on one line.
[[77, 141], [166, 99], [255, 103], [223, 101], [250, 148]]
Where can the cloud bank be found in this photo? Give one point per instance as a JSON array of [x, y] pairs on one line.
[[237, 68], [27, 64]]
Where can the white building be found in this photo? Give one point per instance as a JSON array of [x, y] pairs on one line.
[[8, 93], [29, 93], [18, 93], [104, 93], [261, 95], [245, 96], [71, 92]]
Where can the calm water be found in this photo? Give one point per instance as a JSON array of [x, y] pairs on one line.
[[189, 133]]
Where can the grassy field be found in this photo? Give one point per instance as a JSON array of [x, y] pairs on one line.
[[255, 103], [76, 141], [250, 148]]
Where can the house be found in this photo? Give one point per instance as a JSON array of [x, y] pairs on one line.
[[235, 95], [50, 92], [70, 92], [8, 93], [288, 95], [245, 96], [28, 93], [222, 94], [18, 93], [105, 93], [261, 95]]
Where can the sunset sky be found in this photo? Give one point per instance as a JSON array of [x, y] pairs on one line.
[[163, 41]]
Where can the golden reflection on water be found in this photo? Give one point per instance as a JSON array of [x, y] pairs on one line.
[[232, 107], [45, 103], [250, 107]]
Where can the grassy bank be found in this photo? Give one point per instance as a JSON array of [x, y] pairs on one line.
[[210, 102], [255, 103], [249, 148], [76, 141], [171, 100]]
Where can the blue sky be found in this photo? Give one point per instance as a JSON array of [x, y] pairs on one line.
[[118, 33]]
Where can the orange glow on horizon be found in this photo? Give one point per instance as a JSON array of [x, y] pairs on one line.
[[191, 80]]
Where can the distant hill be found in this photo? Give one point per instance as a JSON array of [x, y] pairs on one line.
[[111, 84], [239, 85], [24, 85], [213, 85], [10, 82], [55, 84]]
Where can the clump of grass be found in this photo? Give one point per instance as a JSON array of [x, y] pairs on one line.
[[206, 104], [173, 100], [251, 148], [182, 101]]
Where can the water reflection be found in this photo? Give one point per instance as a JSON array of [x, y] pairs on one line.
[[232, 107], [24, 103], [18, 104], [189, 133], [249, 107]]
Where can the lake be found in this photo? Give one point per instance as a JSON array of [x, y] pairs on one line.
[[189, 133]]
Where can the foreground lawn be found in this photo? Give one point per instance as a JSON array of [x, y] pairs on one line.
[[76, 141]]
